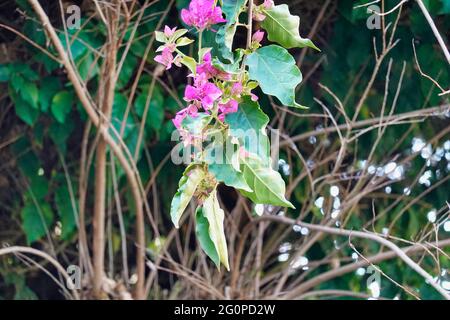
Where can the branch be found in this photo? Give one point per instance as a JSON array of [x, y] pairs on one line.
[[369, 236], [44, 255], [435, 30], [103, 129]]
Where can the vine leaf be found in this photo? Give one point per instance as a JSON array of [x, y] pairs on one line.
[[268, 186], [232, 9], [276, 72], [61, 105], [186, 189], [202, 232], [190, 63], [282, 27], [222, 164], [36, 221], [225, 35], [248, 124], [215, 216], [224, 40]]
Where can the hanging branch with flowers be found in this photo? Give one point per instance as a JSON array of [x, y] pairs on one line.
[[223, 123]]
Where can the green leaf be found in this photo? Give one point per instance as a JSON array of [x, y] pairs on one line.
[[59, 133], [202, 232], [190, 63], [220, 159], [24, 111], [126, 73], [224, 40], [17, 82], [36, 222], [61, 105], [283, 28], [88, 67], [186, 189], [4, 73], [66, 210], [276, 72], [47, 92], [248, 124], [195, 125], [38, 186], [233, 67], [30, 93], [160, 37], [268, 186], [225, 35], [184, 41], [118, 116], [232, 9], [215, 216], [155, 112]]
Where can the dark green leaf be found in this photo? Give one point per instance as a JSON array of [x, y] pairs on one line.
[[36, 221], [62, 105], [202, 232]]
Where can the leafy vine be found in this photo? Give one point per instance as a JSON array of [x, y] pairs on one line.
[[223, 122]]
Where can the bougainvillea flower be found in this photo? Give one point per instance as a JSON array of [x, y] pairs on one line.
[[226, 108], [229, 107], [202, 14], [237, 89], [209, 70], [179, 117], [258, 16], [268, 4], [166, 58], [254, 97], [258, 36], [191, 111], [203, 91], [168, 32]]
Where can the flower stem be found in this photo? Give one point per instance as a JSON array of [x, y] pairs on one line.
[[249, 24], [200, 36]]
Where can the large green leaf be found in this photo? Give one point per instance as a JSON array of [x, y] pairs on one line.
[[202, 232], [248, 124], [223, 163], [267, 184], [36, 221], [186, 189], [215, 216], [283, 28], [276, 72], [61, 105]]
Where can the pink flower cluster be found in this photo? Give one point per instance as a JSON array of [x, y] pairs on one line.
[[166, 57], [203, 94], [202, 14]]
